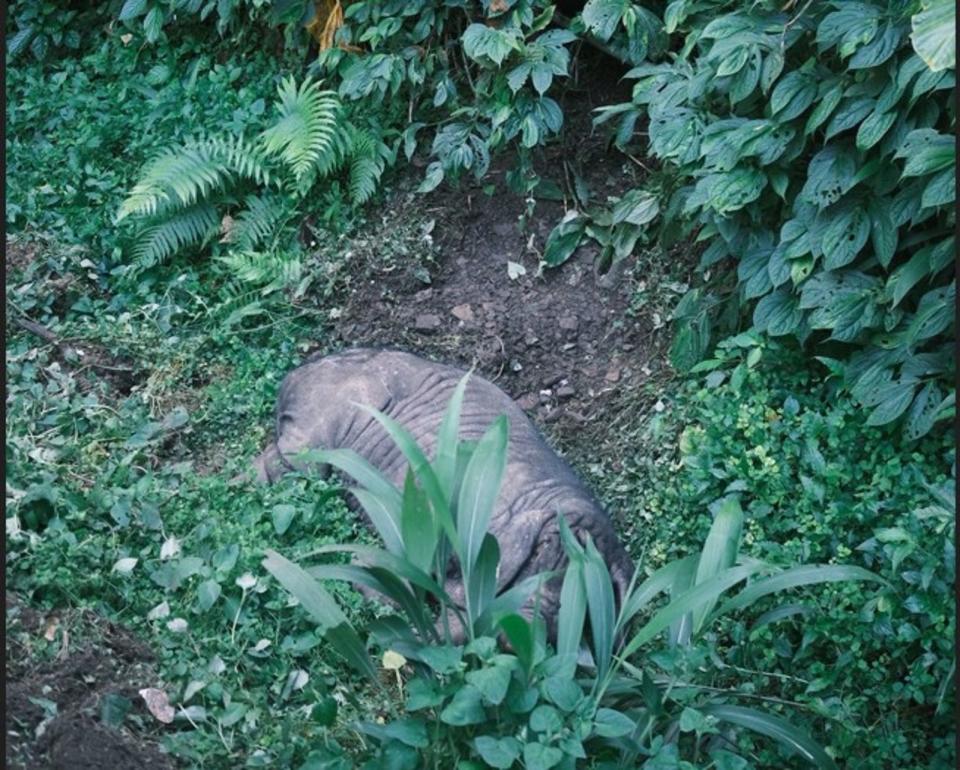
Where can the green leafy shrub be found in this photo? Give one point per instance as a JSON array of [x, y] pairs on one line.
[[46, 28], [248, 191], [815, 148], [818, 484], [530, 702]]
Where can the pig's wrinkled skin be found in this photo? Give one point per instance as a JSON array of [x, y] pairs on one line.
[[317, 409]]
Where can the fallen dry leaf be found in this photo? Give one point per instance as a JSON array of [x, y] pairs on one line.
[[158, 704]]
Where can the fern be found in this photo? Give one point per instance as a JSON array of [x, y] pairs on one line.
[[174, 179], [262, 218], [192, 225], [272, 271], [244, 158], [368, 158], [309, 137]]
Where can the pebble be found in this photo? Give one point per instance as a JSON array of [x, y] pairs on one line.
[[464, 312], [569, 323], [528, 401], [565, 391], [612, 376], [550, 380], [426, 322]]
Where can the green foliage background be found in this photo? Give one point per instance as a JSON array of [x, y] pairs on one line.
[[843, 460]]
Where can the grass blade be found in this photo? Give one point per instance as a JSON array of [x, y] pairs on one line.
[[445, 462], [686, 602], [378, 511], [719, 551], [809, 574], [600, 605], [324, 610], [657, 583], [774, 727], [479, 491], [777, 614]]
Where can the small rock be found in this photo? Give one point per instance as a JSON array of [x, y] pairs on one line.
[[423, 295], [550, 380], [426, 322], [569, 323], [545, 396], [531, 339], [528, 401], [565, 391], [612, 376], [464, 312]]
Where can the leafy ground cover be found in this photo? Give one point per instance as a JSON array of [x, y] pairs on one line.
[[137, 398]]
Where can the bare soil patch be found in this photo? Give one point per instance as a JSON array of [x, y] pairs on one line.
[[54, 703], [565, 343]]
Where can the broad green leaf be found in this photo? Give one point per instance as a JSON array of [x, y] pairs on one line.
[[719, 551], [686, 602], [466, 708], [483, 42], [923, 412], [492, 682], [608, 723], [573, 607], [479, 491], [601, 17], [445, 462], [653, 586], [894, 405], [809, 574], [519, 633], [774, 727], [282, 517], [422, 469], [207, 594], [563, 240], [418, 528], [546, 719], [873, 129], [379, 498], [497, 752], [324, 610], [600, 607], [537, 756], [934, 36]]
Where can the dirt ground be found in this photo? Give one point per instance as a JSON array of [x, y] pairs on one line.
[[55, 704], [567, 343]]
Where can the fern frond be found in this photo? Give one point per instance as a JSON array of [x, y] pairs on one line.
[[246, 159], [239, 303], [368, 157], [176, 177], [309, 136], [271, 270], [263, 217], [194, 224]]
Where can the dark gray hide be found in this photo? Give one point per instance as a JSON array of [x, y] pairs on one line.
[[316, 409]]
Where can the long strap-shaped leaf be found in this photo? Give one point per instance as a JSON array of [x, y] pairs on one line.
[[657, 583], [600, 607], [379, 498], [774, 727], [809, 574], [324, 610], [370, 554], [479, 491], [422, 469], [446, 459], [687, 602], [719, 551]]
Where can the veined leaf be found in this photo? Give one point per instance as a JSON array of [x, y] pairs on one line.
[[809, 574], [774, 727], [479, 491], [934, 35], [600, 606], [687, 602], [719, 551], [324, 610], [445, 462]]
